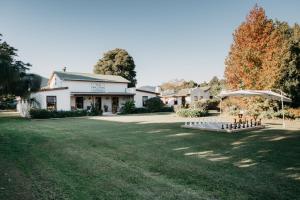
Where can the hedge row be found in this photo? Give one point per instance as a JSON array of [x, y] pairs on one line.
[[45, 114], [146, 110], [191, 112]]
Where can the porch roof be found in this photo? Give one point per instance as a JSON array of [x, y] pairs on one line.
[[101, 94]]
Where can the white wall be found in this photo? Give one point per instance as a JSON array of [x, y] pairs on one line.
[[62, 98], [200, 94], [55, 82], [83, 86], [138, 98]]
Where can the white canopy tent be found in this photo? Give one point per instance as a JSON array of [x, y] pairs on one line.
[[263, 93]]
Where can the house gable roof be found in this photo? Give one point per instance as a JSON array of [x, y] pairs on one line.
[[147, 89], [76, 76]]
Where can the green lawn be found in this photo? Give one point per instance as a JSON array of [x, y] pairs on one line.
[[92, 159]]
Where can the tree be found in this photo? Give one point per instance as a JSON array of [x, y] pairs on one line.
[[255, 53], [177, 85], [117, 62], [216, 86], [13, 77], [154, 104], [289, 78]]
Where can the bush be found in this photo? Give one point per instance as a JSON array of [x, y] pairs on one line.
[[295, 112], [200, 105], [167, 109], [154, 104], [213, 104], [128, 107], [141, 110], [94, 110], [191, 112], [45, 114]]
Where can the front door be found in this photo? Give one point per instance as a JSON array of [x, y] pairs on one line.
[[183, 101], [98, 103], [79, 102], [115, 104]]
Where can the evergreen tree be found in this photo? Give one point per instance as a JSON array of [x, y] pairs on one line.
[[13, 77]]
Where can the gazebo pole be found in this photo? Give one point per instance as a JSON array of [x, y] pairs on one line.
[[282, 109]]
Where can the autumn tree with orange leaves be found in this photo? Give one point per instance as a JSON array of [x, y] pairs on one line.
[[254, 58]]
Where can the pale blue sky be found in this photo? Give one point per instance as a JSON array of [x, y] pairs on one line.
[[168, 39]]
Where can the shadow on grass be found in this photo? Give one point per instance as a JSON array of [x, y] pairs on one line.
[[160, 156]]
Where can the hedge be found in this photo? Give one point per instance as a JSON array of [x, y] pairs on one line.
[[191, 112], [45, 114]]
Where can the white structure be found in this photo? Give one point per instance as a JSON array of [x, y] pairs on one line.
[[70, 91], [142, 94], [263, 93], [185, 96]]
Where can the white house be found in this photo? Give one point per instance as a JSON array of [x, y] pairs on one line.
[[142, 94], [70, 91], [185, 96]]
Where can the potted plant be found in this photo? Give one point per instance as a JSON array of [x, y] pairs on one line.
[[105, 108]]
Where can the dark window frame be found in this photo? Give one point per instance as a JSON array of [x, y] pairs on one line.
[[51, 105], [79, 103]]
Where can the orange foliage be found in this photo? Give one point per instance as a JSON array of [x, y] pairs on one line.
[[253, 61]]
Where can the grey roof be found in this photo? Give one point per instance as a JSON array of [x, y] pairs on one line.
[[183, 92], [44, 82], [76, 76], [205, 88], [147, 88]]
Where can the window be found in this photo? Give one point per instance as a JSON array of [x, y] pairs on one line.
[[79, 102], [195, 98], [144, 99], [211, 97], [51, 102], [175, 102]]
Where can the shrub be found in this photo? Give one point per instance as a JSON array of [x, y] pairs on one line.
[[128, 107], [94, 110], [295, 112], [213, 104], [167, 109], [154, 104], [200, 105], [191, 112], [45, 114], [141, 110]]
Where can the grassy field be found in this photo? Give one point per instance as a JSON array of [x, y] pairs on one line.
[[94, 159]]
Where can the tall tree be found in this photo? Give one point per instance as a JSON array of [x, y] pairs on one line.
[[254, 54], [289, 78], [13, 77], [117, 62]]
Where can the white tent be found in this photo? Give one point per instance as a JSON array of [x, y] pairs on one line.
[[263, 93]]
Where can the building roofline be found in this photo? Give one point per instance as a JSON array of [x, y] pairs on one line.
[[146, 91], [52, 89]]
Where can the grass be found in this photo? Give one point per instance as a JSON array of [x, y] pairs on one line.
[[92, 159]]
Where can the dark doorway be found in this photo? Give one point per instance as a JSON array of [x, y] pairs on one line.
[[79, 102], [183, 101], [114, 104], [99, 103]]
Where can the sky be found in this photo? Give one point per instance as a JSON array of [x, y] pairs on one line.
[[168, 39]]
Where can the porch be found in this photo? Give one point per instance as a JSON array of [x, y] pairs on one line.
[[108, 103]]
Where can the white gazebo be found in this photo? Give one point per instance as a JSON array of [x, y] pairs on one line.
[[263, 93]]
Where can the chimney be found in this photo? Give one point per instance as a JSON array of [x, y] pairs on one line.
[[64, 69]]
